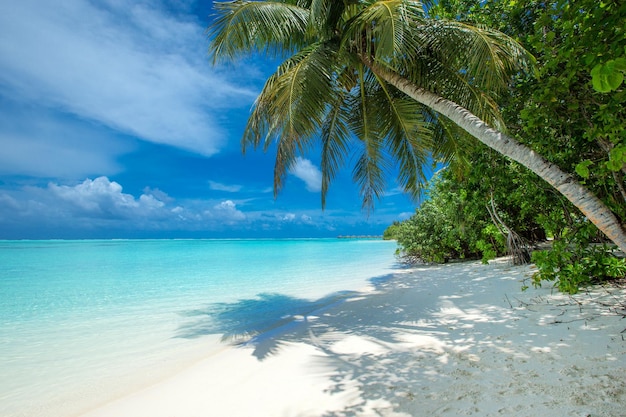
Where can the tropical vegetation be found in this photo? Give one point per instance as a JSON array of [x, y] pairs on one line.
[[395, 83], [562, 114], [471, 214]]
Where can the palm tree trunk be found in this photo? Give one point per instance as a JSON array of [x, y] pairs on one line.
[[588, 203]]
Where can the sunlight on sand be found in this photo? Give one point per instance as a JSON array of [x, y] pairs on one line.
[[451, 340]]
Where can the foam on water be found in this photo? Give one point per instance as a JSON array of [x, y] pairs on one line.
[[82, 322]]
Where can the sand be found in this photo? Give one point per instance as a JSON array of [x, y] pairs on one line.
[[452, 340]]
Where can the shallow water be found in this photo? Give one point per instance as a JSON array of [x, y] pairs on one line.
[[83, 322]]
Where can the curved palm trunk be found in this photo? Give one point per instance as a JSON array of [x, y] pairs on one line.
[[590, 205]]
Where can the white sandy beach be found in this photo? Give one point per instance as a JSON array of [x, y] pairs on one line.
[[452, 340]]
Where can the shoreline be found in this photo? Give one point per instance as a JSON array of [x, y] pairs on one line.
[[446, 340], [89, 322]]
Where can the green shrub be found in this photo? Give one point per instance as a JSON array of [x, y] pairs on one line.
[[576, 262], [450, 224], [392, 231]]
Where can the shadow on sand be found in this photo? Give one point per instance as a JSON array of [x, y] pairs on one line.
[[262, 320], [443, 340]]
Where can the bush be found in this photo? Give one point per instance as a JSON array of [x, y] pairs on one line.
[[577, 261], [450, 224]]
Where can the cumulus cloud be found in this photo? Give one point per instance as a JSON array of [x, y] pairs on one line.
[[307, 172], [226, 212], [150, 202], [127, 65], [100, 207], [100, 202], [104, 198]]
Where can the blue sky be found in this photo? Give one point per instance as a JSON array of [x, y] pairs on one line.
[[114, 124]]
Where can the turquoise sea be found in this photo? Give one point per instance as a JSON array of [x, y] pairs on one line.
[[84, 322]]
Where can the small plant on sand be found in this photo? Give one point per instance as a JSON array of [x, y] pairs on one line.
[[576, 261]]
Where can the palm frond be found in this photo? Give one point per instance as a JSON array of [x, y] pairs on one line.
[[324, 18], [369, 171], [241, 27], [369, 176], [294, 100], [335, 137], [487, 58], [433, 75], [408, 136], [396, 34], [293, 106], [383, 28], [286, 153], [325, 91], [451, 144]]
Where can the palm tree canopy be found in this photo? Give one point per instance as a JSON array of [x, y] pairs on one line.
[[325, 92]]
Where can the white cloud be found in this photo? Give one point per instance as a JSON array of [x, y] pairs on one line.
[[127, 65], [104, 198], [226, 212], [288, 217], [150, 202], [36, 144], [100, 207], [309, 173], [216, 186], [100, 201]]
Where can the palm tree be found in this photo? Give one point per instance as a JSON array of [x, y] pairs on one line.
[[382, 79]]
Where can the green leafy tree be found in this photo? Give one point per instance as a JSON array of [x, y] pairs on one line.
[[563, 115], [560, 113], [576, 111], [451, 224], [392, 231], [390, 75], [454, 222]]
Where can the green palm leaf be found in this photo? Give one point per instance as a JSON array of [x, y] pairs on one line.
[[335, 137], [487, 57], [324, 91], [369, 171], [241, 27], [384, 29]]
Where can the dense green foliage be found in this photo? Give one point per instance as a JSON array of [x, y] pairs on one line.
[[558, 112], [575, 261], [450, 224], [454, 221], [583, 130], [573, 111]]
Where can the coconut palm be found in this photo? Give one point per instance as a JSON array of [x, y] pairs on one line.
[[384, 80]]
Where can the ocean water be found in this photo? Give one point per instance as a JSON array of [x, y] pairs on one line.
[[85, 322]]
